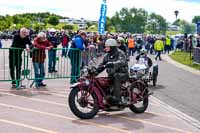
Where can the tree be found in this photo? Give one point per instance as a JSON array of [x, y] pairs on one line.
[[187, 27], [196, 19], [130, 20], [156, 24], [68, 27], [109, 25], [89, 24], [53, 20], [16, 19], [177, 22], [37, 27]]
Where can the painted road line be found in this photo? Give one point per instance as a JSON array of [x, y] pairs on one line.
[[35, 99], [26, 126], [151, 123], [52, 93], [66, 105], [67, 118], [162, 115], [179, 114], [65, 96], [40, 100]]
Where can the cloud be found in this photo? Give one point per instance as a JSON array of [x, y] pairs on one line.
[[90, 9]]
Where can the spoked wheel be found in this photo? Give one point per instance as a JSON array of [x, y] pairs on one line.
[[139, 96], [83, 104]]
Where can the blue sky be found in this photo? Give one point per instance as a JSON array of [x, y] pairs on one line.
[[198, 1], [90, 9]]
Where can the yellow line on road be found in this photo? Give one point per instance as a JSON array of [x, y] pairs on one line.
[[53, 93], [158, 114], [27, 126], [153, 124], [66, 105], [153, 104], [36, 99], [66, 118]]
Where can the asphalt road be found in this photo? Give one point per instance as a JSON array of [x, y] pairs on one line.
[[46, 110], [179, 88]]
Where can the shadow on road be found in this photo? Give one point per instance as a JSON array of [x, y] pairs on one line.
[[29, 93], [110, 119], [157, 87]]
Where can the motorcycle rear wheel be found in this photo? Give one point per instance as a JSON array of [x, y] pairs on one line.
[[76, 111], [144, 101], [155, 80]]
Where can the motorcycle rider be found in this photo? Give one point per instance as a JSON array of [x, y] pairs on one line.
[[116, 67]]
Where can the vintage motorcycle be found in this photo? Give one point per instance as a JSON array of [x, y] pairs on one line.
[[91, 94]]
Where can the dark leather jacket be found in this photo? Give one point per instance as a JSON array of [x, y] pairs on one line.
[[120, 64]]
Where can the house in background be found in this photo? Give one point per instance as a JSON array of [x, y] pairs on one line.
[[82, 23]]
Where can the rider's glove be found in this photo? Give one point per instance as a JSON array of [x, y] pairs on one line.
[[109, 65]]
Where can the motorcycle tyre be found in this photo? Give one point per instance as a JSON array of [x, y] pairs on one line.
[[137, 110], [76, 111], [155, 80]]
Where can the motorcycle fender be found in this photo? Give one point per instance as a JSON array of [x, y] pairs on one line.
[[95, 90], [75, 85], [99, 96]]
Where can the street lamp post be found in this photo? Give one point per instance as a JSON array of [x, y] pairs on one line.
[[176, 13]]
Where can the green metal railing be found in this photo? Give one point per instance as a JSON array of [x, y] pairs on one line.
[[63, 64], [67, 64], [11, 66]]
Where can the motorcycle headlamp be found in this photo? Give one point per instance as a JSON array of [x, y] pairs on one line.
[[87, 82]]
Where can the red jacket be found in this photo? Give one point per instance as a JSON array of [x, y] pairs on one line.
[[38, 54], [65, 40]]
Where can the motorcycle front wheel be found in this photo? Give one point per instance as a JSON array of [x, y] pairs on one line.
[[139, 92], [83, 104]]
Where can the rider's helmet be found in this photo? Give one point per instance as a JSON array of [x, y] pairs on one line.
[[111, 43]]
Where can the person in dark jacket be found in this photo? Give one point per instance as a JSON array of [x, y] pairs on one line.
[[122, 46], [15, 55], [52, 53], [198, 41], [116, 67]]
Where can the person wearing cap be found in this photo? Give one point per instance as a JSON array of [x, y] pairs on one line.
[[75, 55], [55, 40], [116, 67]]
